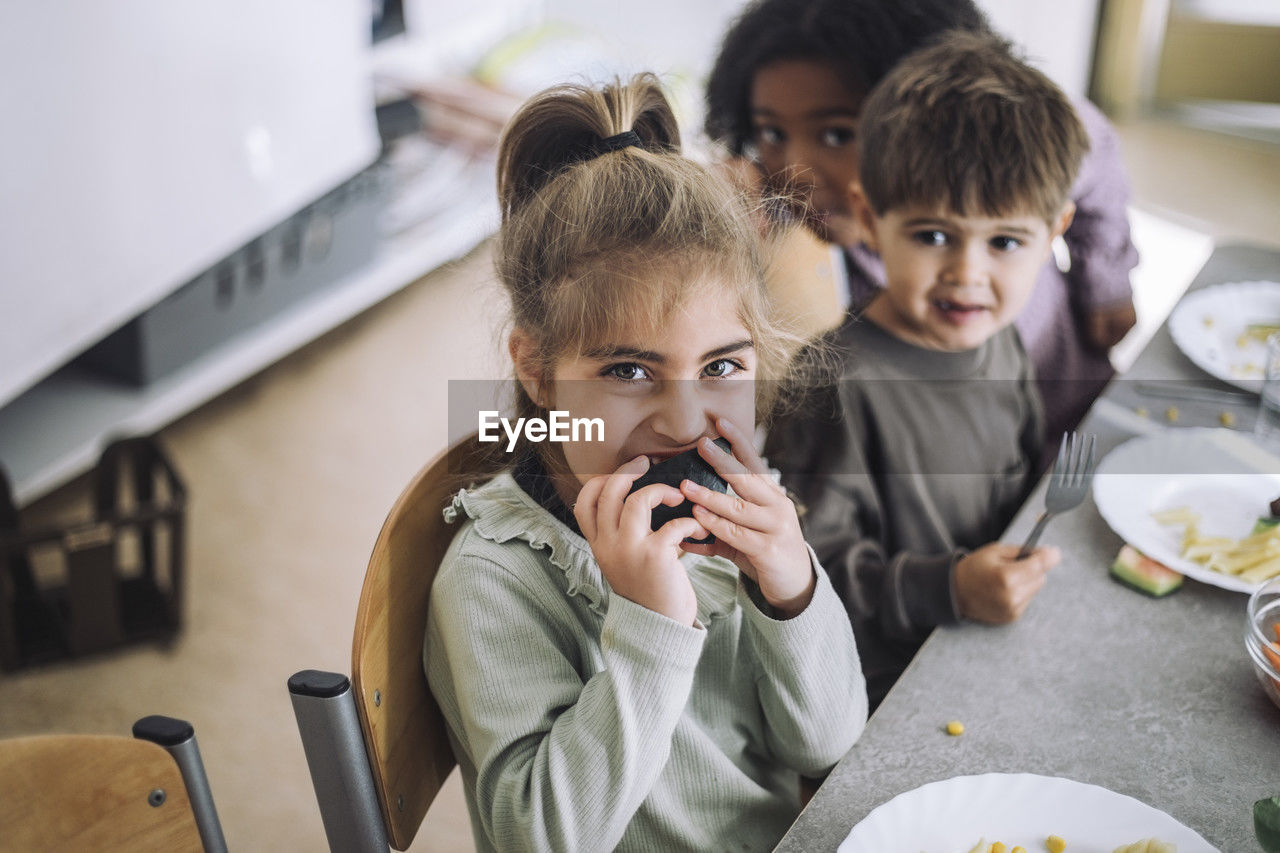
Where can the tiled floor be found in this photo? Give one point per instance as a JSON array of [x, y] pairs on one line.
[[291, 473]]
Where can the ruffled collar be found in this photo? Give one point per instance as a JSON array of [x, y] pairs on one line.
[[502, 512]]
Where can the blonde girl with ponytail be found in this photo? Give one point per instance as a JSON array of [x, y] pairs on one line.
[[608, 685]]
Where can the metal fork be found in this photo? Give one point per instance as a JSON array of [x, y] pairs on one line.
[[1068, 484]]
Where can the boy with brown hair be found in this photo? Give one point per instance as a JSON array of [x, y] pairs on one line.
[[927, 442]]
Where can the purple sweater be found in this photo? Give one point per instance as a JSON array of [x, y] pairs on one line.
[[1069, 371]]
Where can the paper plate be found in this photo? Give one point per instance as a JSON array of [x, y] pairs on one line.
[[951, 816], [1209, 326], [1219, 473]]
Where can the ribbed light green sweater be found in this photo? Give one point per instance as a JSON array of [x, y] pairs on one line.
[[583, 721]]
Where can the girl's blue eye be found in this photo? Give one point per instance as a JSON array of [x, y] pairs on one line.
[[1005, 244], [721, 368], [931, 237], [627, 372], [837, 137]]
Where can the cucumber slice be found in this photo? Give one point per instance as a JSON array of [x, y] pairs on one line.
[[1264, 522], [1266, 823], [1144, 574]]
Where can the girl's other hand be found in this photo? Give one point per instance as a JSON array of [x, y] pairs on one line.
[[757, 528], [640, 564]]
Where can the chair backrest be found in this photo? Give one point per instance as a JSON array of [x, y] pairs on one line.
[[92, 792], [404, 732]]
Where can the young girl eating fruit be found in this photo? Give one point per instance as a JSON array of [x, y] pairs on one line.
[[607, 685]]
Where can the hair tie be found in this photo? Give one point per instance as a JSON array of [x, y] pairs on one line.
[[626, 139]]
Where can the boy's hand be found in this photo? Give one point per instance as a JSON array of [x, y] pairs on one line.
[[757, 528], [640, 564], [1106, 326], [994, 586]]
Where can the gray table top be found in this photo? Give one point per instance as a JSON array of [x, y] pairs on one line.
[[1153, 698]]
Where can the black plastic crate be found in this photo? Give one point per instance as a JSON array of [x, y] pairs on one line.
[[96, 584]]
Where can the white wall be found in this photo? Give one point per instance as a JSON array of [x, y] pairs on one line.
[[1057, 37], [683, 35], [145, 139], [656, 35]]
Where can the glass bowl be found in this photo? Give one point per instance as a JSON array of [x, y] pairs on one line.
[[1261, 639]]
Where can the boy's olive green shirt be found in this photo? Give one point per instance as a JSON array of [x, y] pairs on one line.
[[583, 721], [903, 462]]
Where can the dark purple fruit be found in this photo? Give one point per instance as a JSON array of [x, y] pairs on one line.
[[686, 466]]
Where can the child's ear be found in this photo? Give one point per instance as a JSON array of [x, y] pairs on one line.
[[524, 351], [1063, 221], [863, 215]]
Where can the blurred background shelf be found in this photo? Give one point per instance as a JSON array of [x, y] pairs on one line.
[[55, 430]]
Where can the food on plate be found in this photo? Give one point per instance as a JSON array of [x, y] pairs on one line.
[[1143, 573], [1055, 844], [1227, 419], [1253, 559], [1141, 412], [673, 471], [1208, 321], [1261, 331], [1246, 369], [1266, 823], [994, 847], [1171, 414], [1148, 845], [1177, 515], [955, 728]]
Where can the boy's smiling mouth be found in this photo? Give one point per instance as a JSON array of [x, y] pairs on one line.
[[959, 313]]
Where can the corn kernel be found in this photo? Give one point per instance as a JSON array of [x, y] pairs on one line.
[[1208, 321], [955, 727], [1054, 844], [1141, 412], [999, 847], [1227, 419], [1018, 849], [1171, 414]]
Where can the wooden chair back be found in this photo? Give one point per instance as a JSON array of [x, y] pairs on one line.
[[92, 792], [404, 732]]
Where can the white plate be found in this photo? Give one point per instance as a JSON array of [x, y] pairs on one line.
[[1017, 808], [1207, 325], [1220, 473]]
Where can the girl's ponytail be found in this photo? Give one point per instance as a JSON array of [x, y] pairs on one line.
[[606, 230], [564, 126]]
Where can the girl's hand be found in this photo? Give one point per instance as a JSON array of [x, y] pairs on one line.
[[640, 564], [758, 528]]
